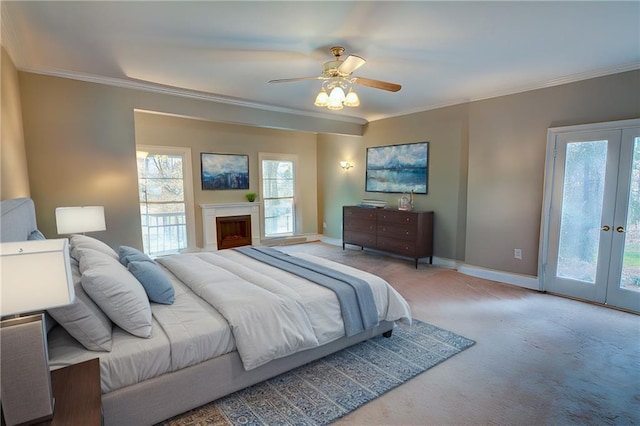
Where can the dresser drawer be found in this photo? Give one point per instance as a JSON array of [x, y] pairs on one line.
[[351, 224], [395, 217], [363, 239], [394, 245], [402, 232], [359, 214]]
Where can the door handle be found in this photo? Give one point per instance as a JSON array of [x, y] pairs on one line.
[[605, 228], [620, 229]]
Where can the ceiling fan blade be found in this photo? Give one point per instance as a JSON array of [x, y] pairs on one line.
[[287, 80], [392, 87], [351, 64]]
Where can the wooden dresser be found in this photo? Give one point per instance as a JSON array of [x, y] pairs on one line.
[[407, 233]]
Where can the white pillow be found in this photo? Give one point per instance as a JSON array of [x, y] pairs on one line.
[[78, 241], [115, 291], [83, 319]]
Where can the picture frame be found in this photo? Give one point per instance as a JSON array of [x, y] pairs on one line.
[[224, 171], [398, 168]]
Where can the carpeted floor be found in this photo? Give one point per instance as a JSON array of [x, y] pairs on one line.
[[325, 390]]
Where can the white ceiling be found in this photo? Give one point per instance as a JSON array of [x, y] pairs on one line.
[[442, 53]]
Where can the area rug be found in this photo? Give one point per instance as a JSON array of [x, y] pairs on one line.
[[325, 390]]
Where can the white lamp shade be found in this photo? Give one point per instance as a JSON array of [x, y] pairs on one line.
[[36, 275], [336, 95], [71, 220], [352, 99], [322, 99]]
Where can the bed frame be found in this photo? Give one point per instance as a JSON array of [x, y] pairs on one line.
[[171, 394]]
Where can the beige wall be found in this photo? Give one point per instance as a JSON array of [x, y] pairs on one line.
[[206, 136], [14, 180]]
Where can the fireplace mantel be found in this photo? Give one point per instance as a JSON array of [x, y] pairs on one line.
[[211, 211]]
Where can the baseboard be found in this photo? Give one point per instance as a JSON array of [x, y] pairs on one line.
[[527, 281]]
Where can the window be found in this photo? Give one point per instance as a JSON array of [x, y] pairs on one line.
[[278, 176], [166, 208]]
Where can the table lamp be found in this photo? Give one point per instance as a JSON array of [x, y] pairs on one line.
[[73, 220], [35, 275]]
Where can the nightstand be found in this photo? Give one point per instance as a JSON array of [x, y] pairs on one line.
[[77, 393]]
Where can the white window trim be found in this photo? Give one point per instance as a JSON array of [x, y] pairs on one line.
[[187, 179], [297, 226]]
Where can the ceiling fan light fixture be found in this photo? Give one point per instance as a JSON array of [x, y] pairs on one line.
[[337, 95], [322, 100], [334, 105], [352, 99], [337, 77]]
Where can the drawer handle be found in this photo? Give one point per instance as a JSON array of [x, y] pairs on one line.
[[408, 219]]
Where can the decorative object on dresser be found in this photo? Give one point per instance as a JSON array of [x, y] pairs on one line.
[[407, 233], [36, 275], [370, 202]]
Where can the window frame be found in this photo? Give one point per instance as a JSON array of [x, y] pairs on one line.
[[297, 218], [187, 181]]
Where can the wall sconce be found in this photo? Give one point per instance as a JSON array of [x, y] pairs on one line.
[[346, 165]]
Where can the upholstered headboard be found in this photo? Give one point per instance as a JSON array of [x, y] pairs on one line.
[[17, 219]]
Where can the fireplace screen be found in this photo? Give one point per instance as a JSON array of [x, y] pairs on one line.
[[233, 231]]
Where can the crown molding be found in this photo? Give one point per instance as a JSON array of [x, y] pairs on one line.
[[187, 93]]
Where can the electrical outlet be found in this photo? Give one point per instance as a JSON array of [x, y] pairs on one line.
[[517, 253], [324, 225]]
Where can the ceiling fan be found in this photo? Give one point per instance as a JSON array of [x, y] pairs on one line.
[[336, 74]]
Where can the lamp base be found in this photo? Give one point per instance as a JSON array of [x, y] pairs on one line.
[[25, 389]]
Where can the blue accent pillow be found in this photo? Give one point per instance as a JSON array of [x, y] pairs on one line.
[[36, 235], [128, 254], [155, 282]]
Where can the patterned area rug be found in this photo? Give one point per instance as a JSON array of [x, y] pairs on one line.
[[325, 390]]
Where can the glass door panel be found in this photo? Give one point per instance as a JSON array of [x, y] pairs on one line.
[[623, 284], [583, 196], [630, 279], [585, 165]]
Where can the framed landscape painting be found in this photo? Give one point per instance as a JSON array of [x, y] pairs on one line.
[[398, 168], [224, 171]]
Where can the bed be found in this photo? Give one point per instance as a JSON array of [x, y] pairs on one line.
[[178, 332]]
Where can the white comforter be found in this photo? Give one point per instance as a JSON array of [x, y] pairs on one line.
[[273, 313]]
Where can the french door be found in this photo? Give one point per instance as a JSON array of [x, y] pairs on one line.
[[591, 218]]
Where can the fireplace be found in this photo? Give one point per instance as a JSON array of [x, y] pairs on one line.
[[233, 231], [211, 212]]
